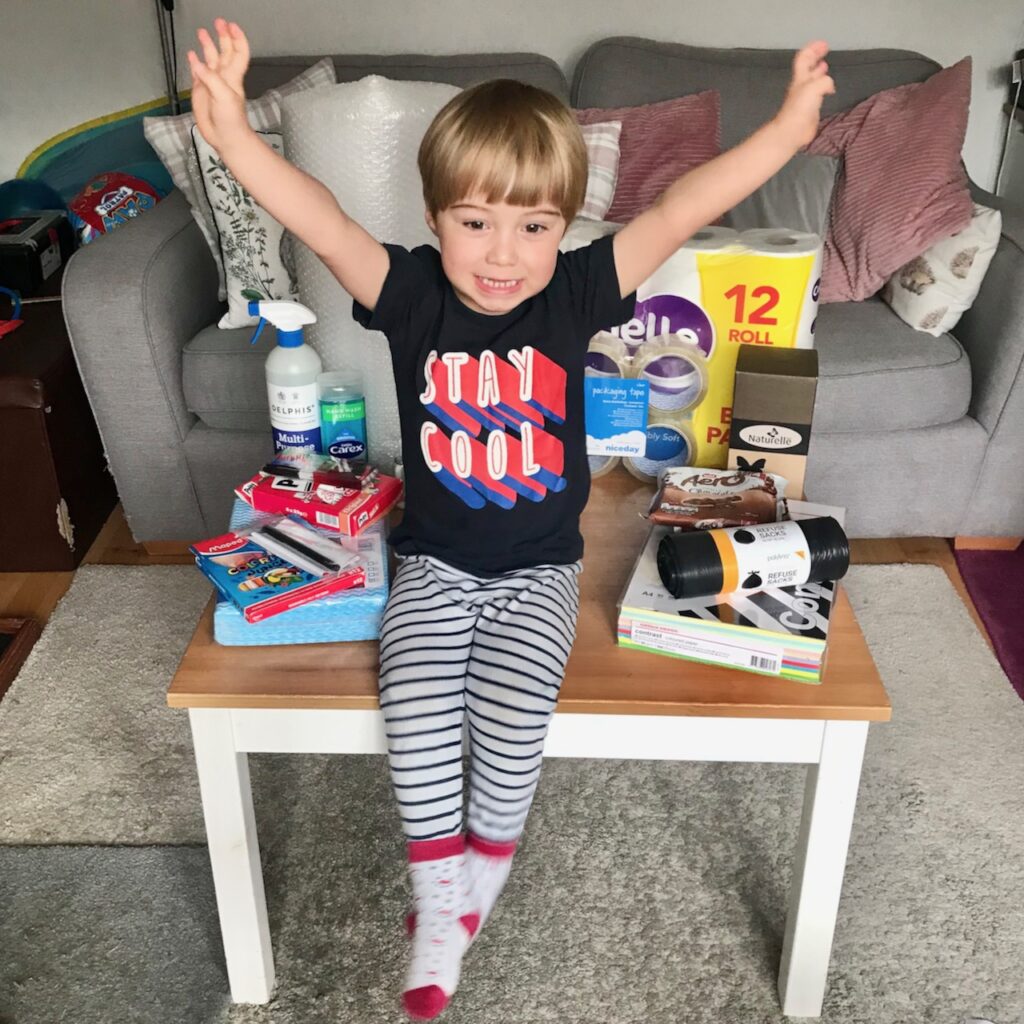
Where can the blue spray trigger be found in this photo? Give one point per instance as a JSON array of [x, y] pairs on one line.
[[259, 330]]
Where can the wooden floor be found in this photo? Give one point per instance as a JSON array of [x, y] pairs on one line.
[[35, 594]]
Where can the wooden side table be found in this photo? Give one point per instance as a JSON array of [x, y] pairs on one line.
[[57, 492], [614, 703]]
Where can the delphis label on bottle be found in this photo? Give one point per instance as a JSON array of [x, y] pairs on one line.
[[294, 416], [767, 555]]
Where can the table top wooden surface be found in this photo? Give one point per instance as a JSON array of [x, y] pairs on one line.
[[601, 678]]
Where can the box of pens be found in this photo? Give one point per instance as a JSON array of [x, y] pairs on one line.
[[326, 492], [347, 615], [276, 564]]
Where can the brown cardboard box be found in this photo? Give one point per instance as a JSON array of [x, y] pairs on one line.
[[772, 410]]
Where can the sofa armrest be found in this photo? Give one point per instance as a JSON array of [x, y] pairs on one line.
[[992, 333], [132, 300], [992, 330]]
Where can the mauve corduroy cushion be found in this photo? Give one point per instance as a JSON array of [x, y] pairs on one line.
[[659, 142], [903, 186]]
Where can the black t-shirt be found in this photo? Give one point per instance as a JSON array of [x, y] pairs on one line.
[[491, 409]]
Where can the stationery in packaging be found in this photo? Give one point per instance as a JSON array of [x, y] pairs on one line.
[[346, 510], [780, 631], [261, 584], [704, 499], [348, 615]]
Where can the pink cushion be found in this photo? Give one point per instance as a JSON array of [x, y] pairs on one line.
[[659, 142], [903, 186]]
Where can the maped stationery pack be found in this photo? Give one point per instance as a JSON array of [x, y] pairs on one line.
[[262, 582]]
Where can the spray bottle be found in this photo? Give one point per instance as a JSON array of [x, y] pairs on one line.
[[292, 369]]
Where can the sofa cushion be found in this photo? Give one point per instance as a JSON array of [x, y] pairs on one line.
[[875, 372], [659, 142], [931, 291], [222, 378], [903, 186], [171, 138]]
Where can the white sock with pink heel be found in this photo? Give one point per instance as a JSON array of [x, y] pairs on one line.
[[446, 923], [487, 865]]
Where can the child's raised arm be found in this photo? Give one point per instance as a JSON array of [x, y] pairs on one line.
[[702, 195], [296, 200]]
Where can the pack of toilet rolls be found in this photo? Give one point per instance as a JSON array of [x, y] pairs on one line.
[[721, 290]]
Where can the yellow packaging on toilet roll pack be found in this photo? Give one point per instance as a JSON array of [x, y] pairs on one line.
[[721, 290]]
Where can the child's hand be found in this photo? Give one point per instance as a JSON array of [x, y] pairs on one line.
[[218, 96], [809, 85]]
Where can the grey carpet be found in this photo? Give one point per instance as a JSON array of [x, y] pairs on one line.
[[89, 750], [94, 935], [644, 892]]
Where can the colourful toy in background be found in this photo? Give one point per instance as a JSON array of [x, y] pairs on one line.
[[15, 321], [109, 201]]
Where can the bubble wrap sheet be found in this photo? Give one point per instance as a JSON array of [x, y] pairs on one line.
[[360, 139], [349, 615]]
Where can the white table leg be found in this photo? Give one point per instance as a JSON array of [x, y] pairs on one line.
[[234, 855], [830, 796]]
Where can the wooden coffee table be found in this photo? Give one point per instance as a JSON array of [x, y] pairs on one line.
[[614, 703]]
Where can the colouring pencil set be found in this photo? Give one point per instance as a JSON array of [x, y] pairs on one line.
[[277, 563]]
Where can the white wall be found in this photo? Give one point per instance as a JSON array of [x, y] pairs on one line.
[[63, 62]]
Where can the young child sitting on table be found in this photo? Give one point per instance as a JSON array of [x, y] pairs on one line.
[[488, 334]]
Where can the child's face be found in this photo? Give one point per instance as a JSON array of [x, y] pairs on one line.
[[496, 255]]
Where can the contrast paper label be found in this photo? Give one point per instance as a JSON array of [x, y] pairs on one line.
[[616, 415]]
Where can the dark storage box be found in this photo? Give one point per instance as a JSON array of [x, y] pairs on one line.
[[33, 247]]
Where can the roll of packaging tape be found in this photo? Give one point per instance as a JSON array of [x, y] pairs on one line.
[[607, 356], [601, 464], [676, 372], [670, 442]]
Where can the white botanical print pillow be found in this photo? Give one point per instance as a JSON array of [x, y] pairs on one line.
[[257, 260], [171, 139], [932, 291]]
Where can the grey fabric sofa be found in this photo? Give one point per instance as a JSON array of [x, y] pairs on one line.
[[914, 435]]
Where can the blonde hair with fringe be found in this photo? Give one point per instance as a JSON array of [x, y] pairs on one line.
[[510, 141]]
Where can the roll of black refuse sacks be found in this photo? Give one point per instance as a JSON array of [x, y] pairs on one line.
[[746, 559]]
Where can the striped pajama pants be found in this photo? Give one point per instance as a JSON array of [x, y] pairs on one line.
[[455, 646]]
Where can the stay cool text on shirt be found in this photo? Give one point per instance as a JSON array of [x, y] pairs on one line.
[[510, 402]]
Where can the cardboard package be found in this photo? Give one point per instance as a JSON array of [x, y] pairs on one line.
[[345, 510], [773, 405]]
